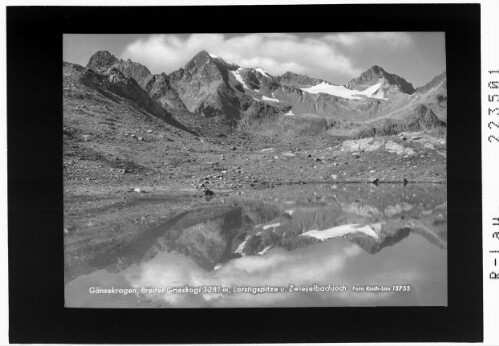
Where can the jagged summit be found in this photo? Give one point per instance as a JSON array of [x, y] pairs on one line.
[[203, 53], [210, 63], [102, 59], [202, 56], [376, 74], [210, 86], [377, 69]]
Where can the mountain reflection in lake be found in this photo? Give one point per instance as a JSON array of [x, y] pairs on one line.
[[397, 236]]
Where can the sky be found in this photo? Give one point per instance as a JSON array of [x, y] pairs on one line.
[[335, 57]]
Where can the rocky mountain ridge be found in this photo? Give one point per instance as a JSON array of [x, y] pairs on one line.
[[375, 74], [212, 87]]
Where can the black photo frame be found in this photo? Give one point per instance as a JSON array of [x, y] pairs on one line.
[[35, 186]]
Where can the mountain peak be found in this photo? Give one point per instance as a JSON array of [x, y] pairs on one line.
[[102, 58], [199, 59], [203, 54], [374, 75], [376, 69]]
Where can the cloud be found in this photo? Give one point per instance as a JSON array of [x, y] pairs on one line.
[[312, 265], [355, 40], [274, 52]]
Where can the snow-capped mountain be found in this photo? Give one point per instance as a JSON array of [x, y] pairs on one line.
[[390, 83], [212, 87]]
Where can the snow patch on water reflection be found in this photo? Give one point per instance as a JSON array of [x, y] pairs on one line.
[[241, 246], [261, 253], [274, 225], [339, 231]]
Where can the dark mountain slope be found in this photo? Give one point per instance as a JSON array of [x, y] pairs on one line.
[[374, 75], [110, 126], [203, 87], [157, 86], [102, 60]]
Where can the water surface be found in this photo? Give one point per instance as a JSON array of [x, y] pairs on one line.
[[309, 246]]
